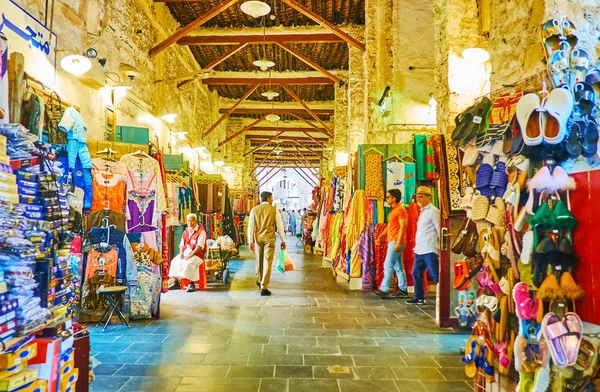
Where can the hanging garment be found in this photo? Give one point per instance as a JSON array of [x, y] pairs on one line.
[[228, 226], [373, 177], [165, 256], [410, 182], [162, 174], [115, 167], [126, 269], [355, 219], [101, 261], [366, 253], [141, 198], [148, 165], [32, 111], [429, 160], [336, 235], [91, 301], [202, 192], [408, 256], [420, 146], [380, 250], [439, 152], [210, 198], [395, 176], [184, 203], [109, 191], [338, 202], [4, 113], [73, 125], [94, 219], [145, 296]]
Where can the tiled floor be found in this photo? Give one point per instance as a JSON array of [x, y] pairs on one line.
[[311, 335]]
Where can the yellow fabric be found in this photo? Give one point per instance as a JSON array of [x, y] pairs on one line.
[[355, 220], [380, 212], [373, 177], [335, 236]]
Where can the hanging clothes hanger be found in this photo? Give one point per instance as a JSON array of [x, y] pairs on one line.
[[395, 156], [372, 149], [142, 153], [409, 158]]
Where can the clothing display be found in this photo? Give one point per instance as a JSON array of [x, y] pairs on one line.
[[4, 112], [374, 177], [73, 125], [395, 176], [145, 165], [145, 296], [108, 191], [141, 202]]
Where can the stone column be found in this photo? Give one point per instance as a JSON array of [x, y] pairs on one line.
[[357, 106]]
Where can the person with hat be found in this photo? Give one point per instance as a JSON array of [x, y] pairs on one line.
[[426, 244], [191, 255]]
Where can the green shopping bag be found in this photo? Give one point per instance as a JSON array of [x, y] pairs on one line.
[[281, 261]]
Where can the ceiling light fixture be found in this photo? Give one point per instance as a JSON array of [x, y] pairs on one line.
[[264, 64], [272, 118], [169, 117], [270, 94], [476, 55], [255, 9], [76, 64]]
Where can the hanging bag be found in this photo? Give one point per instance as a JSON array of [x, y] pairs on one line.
[[281, 261], [54, 113]]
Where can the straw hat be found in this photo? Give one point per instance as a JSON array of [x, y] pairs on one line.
[[424, 190]]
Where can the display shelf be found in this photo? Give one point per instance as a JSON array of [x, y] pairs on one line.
[[345, 280], [326, 263]]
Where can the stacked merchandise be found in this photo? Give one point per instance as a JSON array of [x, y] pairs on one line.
[[517, 233], [36, 291]]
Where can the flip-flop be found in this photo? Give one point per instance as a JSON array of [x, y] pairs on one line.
[[572, 341], [471, 354], [585, 96], [572, 144], [479, 120], [558, 66], [461, 121], [555, 331], [588, 136]]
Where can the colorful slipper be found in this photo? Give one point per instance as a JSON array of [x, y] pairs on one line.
[[572, 341], [526, 308], [554, 331], [471, 354]]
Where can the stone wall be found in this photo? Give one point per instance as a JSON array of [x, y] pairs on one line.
[[122, 31]]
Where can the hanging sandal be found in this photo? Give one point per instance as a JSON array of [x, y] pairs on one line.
[[471, 350], [554, 331], [526, 308], [572, 340]]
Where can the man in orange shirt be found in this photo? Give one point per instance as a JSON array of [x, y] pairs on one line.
[[395, 234]]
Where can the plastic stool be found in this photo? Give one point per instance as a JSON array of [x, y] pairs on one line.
[[201, 283], [113, 296]]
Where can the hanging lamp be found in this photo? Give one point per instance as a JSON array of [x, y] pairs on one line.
[[270, 94], [255, 9], [263, 63], [76, 64]]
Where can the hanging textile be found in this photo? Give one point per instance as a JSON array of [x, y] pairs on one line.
[[366, 252], [202, 193], [4, 112], [336, 235], [420, 147], [331, 195], [429, 160], [162, 174], [355, 219], [374, 177], [184, 203], [141, 198], [228, 225], [380, 250], [126, 269], [115, 167], [109, 191], [31, 114], [101, 261], [410, 182], [165, 256], [145, 296], [338, 201], [408, 256], [145, 164], [440, 160], [94, 219], [395, 176]]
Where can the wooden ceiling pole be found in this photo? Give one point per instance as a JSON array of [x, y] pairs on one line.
[[238, 133], [225, 115], [269, 179], [325, 23], [319, 153], [308, 61], [216, 62], [258, 38], [301, 102], [290, 129], [311, 183], [192, 26], [303, 159], [322, 130], [268, 166], [264, 159], [264, 144], [313, 139]]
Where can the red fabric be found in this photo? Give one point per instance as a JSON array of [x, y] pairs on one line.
[[408, 256], [585, 243], [165, 255], [380, 251]]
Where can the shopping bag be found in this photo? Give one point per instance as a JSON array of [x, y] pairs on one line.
[[288, 262], [281, 261]]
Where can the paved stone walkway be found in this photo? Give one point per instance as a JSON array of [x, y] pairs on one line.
[[311, 335]]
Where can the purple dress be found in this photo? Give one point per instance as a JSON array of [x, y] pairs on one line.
[[141, 202]]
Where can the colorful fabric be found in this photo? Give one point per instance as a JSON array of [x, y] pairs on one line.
[[429, 160], [420, 146], [144, 298], [4, 79], [109, 191], [355, 219], [336, 235], [410, 182], [408, 255], [31, 114], [440, 161], [379, 250], [147, 164], [338, 201], [141, 202], [101, 261], [373, 177], [366, 252], [395, 176]]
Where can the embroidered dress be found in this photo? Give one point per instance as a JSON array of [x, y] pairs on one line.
[[109, 191], [148, 165], [373, 177], [141, 200], [145, 296], [101, 261]]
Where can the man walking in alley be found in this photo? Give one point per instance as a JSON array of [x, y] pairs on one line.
[[284, 219], [426, 244], [264, 220]]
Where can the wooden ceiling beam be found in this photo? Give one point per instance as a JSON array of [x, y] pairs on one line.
[[314, 127], [264, 159], [259, 38], [263, 144], [247, 127], [226, 114], [269, 179], [325, 23], [311, 183], [311, 63], [325, 112], [303, 129], [266, 80], [216, 62], [313, 114], [192, 26]]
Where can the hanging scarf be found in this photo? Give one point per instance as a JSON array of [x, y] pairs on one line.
[[367, 257], [380, 250]]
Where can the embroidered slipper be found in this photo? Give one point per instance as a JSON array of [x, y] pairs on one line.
[[554, 331], [587, 355], [572, 341]]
